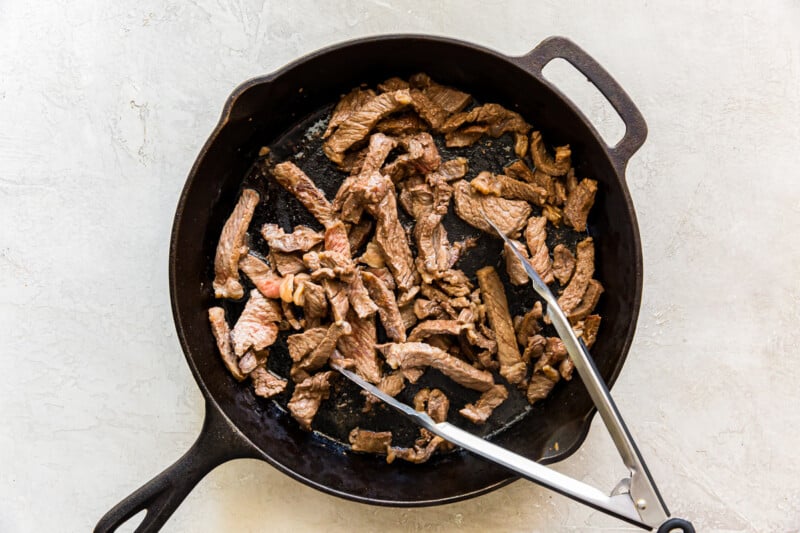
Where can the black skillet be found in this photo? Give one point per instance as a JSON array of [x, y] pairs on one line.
[[269, 109]]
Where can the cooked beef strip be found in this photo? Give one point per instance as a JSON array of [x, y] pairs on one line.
[[529, 324], [408, 316], [428, 111], [392, 239], [420, 453], [262, 276], [387, 306], [358, 125], [392, 384], [393, 84], [294, 180], [589, 301], [257, 325], [339, 264], [252, 359], [312, 299], [290, 318], [349, 103], [494, 298], [498, 119], [384, 275], [520, 172], [520, 144], [508, 215], [566, 368], [232, 246], [584, 270], [437, 405], [554, 353], [266, 384], [552, 214], [416, 197], [419, 354], [421, 157], [320, 353], [286, 264], [534, 348], [554, 166], [307, 397], [360, 347], [401, 124], [425, 329], [360, 300], [427, 309], [336, 239], [464, 136], [336, 292], [449, 99], [536, 238], [362, 440], [480, 411], [358, 235], [516, 272], [578, 204], [539, 388], [301, 344], [373, 256], [508, 188], [591, 325], [563, 263], [302, 239], [222, 333]]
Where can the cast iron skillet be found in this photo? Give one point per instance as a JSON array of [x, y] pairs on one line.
[[262, 109]]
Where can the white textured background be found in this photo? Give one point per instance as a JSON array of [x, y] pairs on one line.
[[103, 108]]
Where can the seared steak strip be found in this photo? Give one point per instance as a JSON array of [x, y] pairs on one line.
[[360, 347], [360, 300], [541, 384], [508, 215], [578, 204], [401, 124], [421, 157], [266, 384], [584, 270], [514, 267], [265, 280], [494, 298], [222, 333], [554, 166], [253, 359], [319, 355], [349, 103], [285, 264], [362, 440], [392, 239], [511, 189], [358, 125], [311, 297], [589, 301], [358, 235], [387, 306], [480, 411], [294, 180], [302, 239], [232, 246], [425, 329], [529, 324], [563, 263], [520, 172], [536, 237], [307, 397], [257, 326], [419, 354]]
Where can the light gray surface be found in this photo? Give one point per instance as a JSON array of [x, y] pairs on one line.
[[103, 107]]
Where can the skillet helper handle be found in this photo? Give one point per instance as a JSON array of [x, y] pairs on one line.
[[218, 443], [635, 126], [676, 524]]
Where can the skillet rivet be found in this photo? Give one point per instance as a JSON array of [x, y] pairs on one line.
[[641, 504]]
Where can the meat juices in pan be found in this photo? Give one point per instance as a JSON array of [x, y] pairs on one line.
[[378, 257]]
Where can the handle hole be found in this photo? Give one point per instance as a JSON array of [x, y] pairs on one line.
[[587, 98], [130, 525]]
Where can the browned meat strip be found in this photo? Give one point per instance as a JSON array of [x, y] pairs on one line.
[[563, 263], [494, 298], [301, 344], [408, 316], [285, 264], [584, 270], [529, 324], [427, 309], [387, 306], [416, 197], [302, 239], [289, 316], [383, 274], [508, 215], [422, 451], [402, 124], [311, 297], [336, 293], [554, 166], [294, 180], [425, 329], [554, 353], [338, 264], [252, 359], [449, 99], [320, 353], [222, 333], [437, 405], [392, 239], [265, 280], [428, 111], [419, 354], [391, 384], [232, 246], [358, 125], [349, 103], [307, 397], [362, 440], [257, 325], [360, 347], [516, 272], [393, 84], [480, 411], [373, 257], [359, 235], [540, 386], [511, 189], [360, 301], [589, 301], [536, 238], [368, 187], [498, 119], [421, 157], [379, 147], [578, 204], [266, 384], [520, 144], [534, 349], [591, 325], [520, 172]]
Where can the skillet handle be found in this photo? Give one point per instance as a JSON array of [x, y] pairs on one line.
[[560, 47], [219, 442]]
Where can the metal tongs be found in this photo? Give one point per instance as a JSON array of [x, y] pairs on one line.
[[635, 499]]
